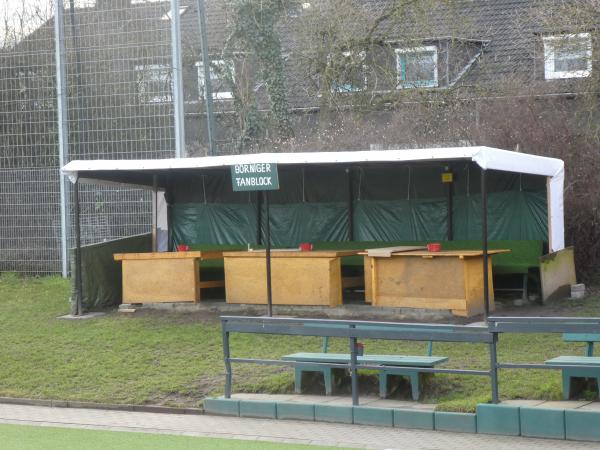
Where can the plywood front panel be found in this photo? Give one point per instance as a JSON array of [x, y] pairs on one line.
[[418, 277], [295, 281], [155, 280]]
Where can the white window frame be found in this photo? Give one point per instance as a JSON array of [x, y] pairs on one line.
[[154, 73], [168, 15], [549, 57], [403, 84], [364, 68], [224, 95]]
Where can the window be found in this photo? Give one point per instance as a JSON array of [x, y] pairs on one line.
[[348, 72], [154, 83], [568, 56], [167, 16], [417, 67], [220, 71]]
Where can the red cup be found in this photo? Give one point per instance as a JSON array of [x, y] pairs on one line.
[[434, 247], [183, 248], [306, 247]]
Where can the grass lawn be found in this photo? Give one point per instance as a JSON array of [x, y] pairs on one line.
[[176, 359], [20, 437]]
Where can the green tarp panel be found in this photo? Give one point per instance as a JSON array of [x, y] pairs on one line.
[[213, 223], [102, 281], [402, 202]]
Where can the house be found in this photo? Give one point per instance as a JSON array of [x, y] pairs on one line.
[[357, 74]]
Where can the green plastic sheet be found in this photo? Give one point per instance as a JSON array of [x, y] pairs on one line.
[[389, 203]]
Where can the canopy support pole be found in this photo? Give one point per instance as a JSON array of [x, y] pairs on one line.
[[350, 206], [76, 307], [259, 217], [450, 210], [484, 238], [154, 212], [268, 258]]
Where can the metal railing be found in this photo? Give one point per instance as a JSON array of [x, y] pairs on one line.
[[354, 330]]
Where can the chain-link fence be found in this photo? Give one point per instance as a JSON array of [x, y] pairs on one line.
[[119, 105]]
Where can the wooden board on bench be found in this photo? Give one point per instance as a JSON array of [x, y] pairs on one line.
[[384, 360]]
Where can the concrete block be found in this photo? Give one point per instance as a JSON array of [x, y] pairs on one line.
[[333, 413], [582, 425], [454, 421], [543, 422], [410, 418], [498, 419], [258, 408], [364, 415], [298, 411], [222, 406]]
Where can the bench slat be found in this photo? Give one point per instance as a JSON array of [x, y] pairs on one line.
[[387, 360], [574, 360]]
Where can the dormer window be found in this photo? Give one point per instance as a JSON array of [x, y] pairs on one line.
[[169, 14], [417, 67], [348, 71], [221, 74], [567, 56]]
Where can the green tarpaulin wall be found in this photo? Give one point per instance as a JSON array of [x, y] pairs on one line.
[[389, 202], [102, 280]]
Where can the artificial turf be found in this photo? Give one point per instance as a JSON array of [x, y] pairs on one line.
[[22, 437]]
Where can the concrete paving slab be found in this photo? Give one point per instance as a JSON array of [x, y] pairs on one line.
[[313, 398], [263, 397], [567, 404], [290, 431], [522, 402], [593, 406], [401, 404]]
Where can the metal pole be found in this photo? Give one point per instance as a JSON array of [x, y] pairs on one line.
[[226, 355], [350, 206], [78, 271], [450, 210], [484, 238], [259, 217], [494, 368], [154, 212], [208, 98], [63, 130], [177, 80], [268, 258], [353, 371]]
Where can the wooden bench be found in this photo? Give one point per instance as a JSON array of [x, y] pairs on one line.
[[578, 372], [390, 365]]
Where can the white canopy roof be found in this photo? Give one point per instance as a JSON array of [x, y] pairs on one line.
[[139, 172]]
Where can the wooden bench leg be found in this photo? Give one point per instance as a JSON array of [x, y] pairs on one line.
[[566, 379], [383, 378], [327, 378], [414, 385], [298, 380]]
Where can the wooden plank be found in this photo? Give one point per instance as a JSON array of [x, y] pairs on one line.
[[211, 284], [453, 253], [160, 280], [367, 264], [350, 282], [389, 360], [167, 255], [292, 254], [295, 281], [421, 302], [386, 252]]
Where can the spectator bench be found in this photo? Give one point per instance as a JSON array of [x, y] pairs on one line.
[[566, 363], [407, 366]]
